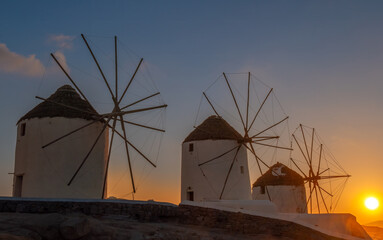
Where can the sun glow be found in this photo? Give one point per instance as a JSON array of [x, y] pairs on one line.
[[371, 203]]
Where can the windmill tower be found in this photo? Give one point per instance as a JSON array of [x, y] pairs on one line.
[[285, 187], [43, 172], [207, 180], [63, 145], [215, 155]]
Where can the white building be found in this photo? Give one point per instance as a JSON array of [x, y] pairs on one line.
[[285, 187], [206, 182], [45, 172]]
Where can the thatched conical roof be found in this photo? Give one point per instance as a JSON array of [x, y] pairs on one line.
[[64, 95], [214, 128], [279, 174]]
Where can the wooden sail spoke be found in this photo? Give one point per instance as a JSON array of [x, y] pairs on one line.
[[312, 144], [143, 99], [99, 68], [298, 168], [248, 148], [247, 104], [316, 196], [144, 126], [228, 174], [127, 153], [211, 105], [115, 67], [136, 149], [320, 158], [300, 148], [219, 156], [323, 171], [257, 157], [235, 101], [71, 80], [131, 80], [336, 176], [71, 132], [141, 110], [324, 202], [108, 159], [270, 127], [263, 138], [268, 145], [259, 110], [90, 151], [257, 160], [309, 199], [325, 191], [307, 150]]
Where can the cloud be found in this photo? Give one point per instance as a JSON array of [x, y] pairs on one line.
[[62, 41], [30, 66], [11, 62]]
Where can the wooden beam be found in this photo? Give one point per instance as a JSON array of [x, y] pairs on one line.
[[138, 101], [256, 115], [99, 68], [211, 104], [228, 174], [131, 80], [235, 101], [221, 155]]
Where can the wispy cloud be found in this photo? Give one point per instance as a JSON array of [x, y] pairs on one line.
[[11, 62], [30, 66], [62, 41]]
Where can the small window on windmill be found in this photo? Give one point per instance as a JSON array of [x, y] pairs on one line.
[[18, 186], [190, 196], [242, 170], [191, 147], [262, 190], [22, 129]]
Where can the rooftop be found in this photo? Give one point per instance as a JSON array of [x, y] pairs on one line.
[[279, 174], [64, 95], [214, 128]]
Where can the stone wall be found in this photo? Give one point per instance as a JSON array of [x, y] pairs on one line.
[[184, 215], [148, 211]]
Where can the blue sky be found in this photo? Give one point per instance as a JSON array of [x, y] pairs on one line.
[[323, 58]]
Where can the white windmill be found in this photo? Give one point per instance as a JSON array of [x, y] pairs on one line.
[[64, 145], [215, 155]]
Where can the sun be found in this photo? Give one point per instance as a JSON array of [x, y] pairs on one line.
[[371, 203]]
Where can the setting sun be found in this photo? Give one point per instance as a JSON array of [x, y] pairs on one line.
[[371, 203]]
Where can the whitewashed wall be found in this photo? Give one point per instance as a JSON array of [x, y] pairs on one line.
[[207, 181], [47, 171], [288, 199]]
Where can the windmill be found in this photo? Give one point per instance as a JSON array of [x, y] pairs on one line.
[[323, 174], [113, 120], [244, 109]]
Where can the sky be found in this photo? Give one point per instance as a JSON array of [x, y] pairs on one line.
[[323, 59]]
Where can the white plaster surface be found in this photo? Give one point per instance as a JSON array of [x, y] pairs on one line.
[[288, 199], [47, 171], [208, 180]]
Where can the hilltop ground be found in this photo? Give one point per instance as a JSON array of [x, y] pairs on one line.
[[26, 226], [58, 219]]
